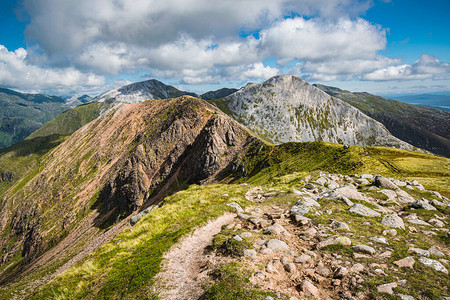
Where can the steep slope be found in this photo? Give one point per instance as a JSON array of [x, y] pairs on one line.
[[109, 168], [141, 91], [286, 108], [21, 114], [221, 93], [423, 127]]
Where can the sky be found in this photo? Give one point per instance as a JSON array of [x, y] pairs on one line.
[[90, 46]]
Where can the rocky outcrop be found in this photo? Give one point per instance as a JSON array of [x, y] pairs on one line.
[[288, 109]]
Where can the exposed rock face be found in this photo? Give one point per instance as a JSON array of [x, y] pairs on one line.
[[141, 91], [116, 163], [288, 109]]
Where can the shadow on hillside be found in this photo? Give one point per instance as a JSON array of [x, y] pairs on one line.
[[38, 145]]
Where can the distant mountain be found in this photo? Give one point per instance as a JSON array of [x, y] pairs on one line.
[[21, 114], [422, 127], [432, 100], [79, 100], [287, 109], [141, 91], [221, 93]]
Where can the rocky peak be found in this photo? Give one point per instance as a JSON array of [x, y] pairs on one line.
[[286, 108]]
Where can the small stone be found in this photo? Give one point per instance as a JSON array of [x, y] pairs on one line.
[[359, 255], [419, 251], [333, 185], [336, 282], [341, 272], [363, 211], [357, 268], [387, 288], [236, 206], [266, 251], [303, 259], [407, 262], [405, 297], [299, 209], [277, 245], [339, 225], [301, 220], [348, 190], [246, 234], [309, 289], [270, 268], [311, 232], [249, 252], [364, 249], [433, 264], [333, 241], [435, 252], [385, 254], [290, 267], [393, 220], [276, 228], [377, 239], [244, 216], [325, 272], [391, 232], [412, 229], [237, 238], [436, 223]]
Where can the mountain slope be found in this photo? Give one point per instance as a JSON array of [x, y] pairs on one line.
[[21, 114], [286, 108], [109, 168], [141, 91], [221, 93], [422, 127]]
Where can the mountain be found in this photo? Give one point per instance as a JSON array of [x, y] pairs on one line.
[[76, 100], [141, 91], [21, 114], [95, 212], [109, 168], [221, 93], [421, 127], [286, 109]]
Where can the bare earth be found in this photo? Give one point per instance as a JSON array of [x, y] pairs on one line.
[[184, 260]]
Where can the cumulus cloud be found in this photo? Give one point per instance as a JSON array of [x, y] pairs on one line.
[[427, 66], [16, 72]]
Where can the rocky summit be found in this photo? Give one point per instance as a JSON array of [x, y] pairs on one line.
[[176, 199], [288, 109]]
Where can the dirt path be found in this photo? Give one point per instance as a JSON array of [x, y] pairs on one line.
[[183, 261]]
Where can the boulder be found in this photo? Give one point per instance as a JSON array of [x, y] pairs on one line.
[[403, 196], [348, 190], [277, 245], [407, 262], [342, 240], [387, 288], [383, 182], [309, 289], [364, 249], [276, 228], [433, 264], [236, 206], [380, 240], [339, 225], [419, 251], [363, 211], [393, 220], [422, 204]]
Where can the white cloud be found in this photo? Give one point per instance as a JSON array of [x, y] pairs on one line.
[[427, 66], [16, 72]]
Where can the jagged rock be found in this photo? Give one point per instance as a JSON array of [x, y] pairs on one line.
[[299, 209], [390, 194], [363, 181], [290, 267], [348, 190], [433, 264], [393, 220], [387, 288], [399, 183], [310, 289], [339, 225], [236, 206], [308, 201], [277, 245], [321, 180], [342, 240], [364, 249], [405, 262], [423, 204], [270, 268], [134, 219], [363, 211], [333, 185], [383, 182]]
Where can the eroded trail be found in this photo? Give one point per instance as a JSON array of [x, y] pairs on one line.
[[183, 261]]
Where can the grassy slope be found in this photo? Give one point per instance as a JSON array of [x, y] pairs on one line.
[[125, 267], [25, 155], [423, 127]]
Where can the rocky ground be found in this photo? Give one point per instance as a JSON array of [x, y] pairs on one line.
[[346, 237]]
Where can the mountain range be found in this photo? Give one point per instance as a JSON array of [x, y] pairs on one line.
[[92, 202]]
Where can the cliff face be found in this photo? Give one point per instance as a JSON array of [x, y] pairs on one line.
[[126, 158], [288, 109]]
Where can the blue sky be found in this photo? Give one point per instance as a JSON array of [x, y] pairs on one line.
[[84, 46]]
